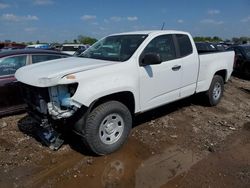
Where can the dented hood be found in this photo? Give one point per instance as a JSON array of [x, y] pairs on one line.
[[48, 73]]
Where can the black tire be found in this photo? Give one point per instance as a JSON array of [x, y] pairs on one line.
[[214, 95], [96, 133]]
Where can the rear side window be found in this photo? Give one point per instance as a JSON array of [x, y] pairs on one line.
[[40, 58], [9, 65], [220, 47], [163, 46], [184, 44]]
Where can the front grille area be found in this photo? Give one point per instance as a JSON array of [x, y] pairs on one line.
[[34, 95]]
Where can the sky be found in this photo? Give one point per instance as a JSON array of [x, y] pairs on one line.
[[60, 20]]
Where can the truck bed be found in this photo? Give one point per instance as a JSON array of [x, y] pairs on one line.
[[210, 63]]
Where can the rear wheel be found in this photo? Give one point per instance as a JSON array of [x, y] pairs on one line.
[[215, 91], [107, 127]]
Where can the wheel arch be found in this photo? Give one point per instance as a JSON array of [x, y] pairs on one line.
[[125, 97], [222, 73]]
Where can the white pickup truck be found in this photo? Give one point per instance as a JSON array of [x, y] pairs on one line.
[[121, 75]]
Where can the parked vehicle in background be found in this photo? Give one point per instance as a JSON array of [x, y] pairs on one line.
[[226, 44], [10, 98], [242, 59], [71, 48], [40, 46], [207, 47], [56, 46], [116, 78], [80, 50], [11, 46]]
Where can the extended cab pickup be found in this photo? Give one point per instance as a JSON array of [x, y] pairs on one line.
[[121, 75]]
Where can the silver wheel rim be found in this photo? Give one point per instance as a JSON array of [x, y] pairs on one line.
[[216, 91], [111, 128]]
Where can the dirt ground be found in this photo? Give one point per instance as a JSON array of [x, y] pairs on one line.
[[184, 144]]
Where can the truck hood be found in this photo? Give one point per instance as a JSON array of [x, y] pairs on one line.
[[48, 73]]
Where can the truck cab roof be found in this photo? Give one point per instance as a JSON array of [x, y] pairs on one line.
[[148, 32]]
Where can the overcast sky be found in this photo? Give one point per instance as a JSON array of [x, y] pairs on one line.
[[59, 20]]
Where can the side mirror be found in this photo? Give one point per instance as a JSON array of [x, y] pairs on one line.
[[150, 59]]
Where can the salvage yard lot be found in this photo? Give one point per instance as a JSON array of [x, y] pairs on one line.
[[184, 144]]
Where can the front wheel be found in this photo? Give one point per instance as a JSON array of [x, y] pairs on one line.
[[107, 127], [215, 91]]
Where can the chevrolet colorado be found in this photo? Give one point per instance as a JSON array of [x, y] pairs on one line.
[[123, 74]]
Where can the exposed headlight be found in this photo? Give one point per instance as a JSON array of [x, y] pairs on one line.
[[72, 88]]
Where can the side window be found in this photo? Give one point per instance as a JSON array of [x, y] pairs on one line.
[[9, 65], [184, 44], [163, 46], [40, 58]]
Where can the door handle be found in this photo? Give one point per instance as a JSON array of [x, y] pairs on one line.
[[176, 67]]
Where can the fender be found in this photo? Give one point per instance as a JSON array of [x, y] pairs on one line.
[[105, 82]]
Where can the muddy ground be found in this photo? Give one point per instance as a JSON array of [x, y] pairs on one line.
[[184, 144]]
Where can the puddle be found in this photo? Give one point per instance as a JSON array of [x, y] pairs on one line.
[[133, 166], [159, 169]]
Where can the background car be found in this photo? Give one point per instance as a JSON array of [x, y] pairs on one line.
[[10, 61], [242, 59], [80, 50], [55, 46], [207, 47], [40, 46], [71, 48], [10, 46]]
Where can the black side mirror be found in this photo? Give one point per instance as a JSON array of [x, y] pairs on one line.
[[150, 59]]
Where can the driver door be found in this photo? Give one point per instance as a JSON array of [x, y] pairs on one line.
[[160, 84]]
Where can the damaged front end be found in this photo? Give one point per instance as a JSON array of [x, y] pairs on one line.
[[51, 106], [55, 101], [61, 104]]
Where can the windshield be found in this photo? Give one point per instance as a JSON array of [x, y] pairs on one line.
[[114, 48], [247, 51]]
